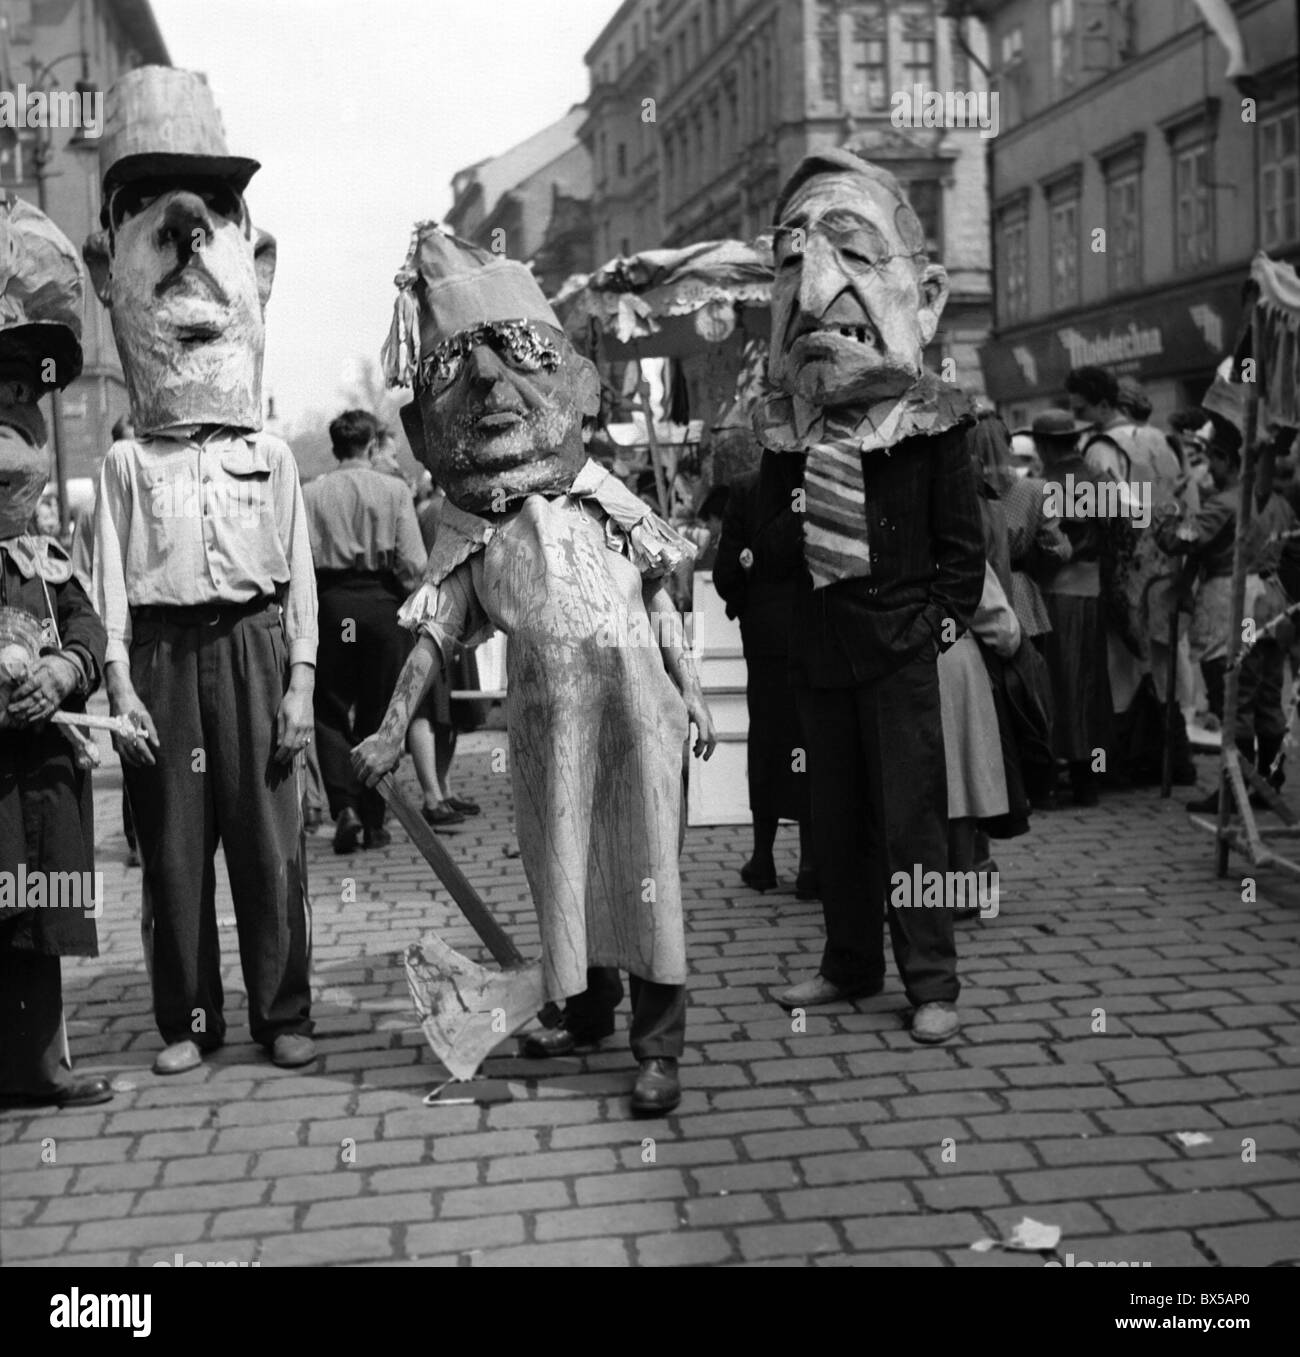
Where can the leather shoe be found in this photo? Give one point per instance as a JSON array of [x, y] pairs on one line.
[[758, 878], [378, 837], [347, 832], [551, 1042], [291, 1049], [442, 814], [657, 1090], [935, 1022], [463, 805], [75, 1093], [177, 1058], [819, 990]]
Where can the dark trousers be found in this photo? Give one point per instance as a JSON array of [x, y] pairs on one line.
[[31, 1021], [658, 1013], [213, 691], [361, 653], [880, 806], [1259, 693]]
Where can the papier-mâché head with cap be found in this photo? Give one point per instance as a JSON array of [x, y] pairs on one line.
[[179, 263], [856, 299], [500, 393], [40, 349]]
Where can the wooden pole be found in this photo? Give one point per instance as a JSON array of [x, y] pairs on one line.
[[1245, 513]]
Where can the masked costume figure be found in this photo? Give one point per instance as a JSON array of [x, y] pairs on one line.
[[873, 450], [541, 543], [51, 657], [203, 572]]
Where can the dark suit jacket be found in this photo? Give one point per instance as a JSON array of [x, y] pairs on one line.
[[927, 563], [762, 597]]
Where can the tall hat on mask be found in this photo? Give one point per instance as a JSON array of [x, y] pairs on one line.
[[163, 123], [40, 347], [448, 285]]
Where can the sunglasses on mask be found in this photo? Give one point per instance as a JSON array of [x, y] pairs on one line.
[[518, 342]]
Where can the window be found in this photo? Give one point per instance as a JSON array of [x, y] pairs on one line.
[[918, 48], [713, 22], [1193, 207], [870, 90], [1061, 13], [1063, 231], [620, 155], [1124, 229], [601, 167], [697, 42], [618, 59], [624, 247], [17, 157], [683, 65], [669, 73], [926, 197], [670, 170], [1279, 170], [828, 49], [1013, 264], [1013, 47]]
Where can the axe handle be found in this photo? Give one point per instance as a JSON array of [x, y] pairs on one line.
[[504, 952]]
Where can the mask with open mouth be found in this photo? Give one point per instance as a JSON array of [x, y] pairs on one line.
[[855, 301]]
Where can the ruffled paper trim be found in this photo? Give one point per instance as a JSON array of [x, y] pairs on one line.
[[419, 614], [38, 557], [930, 407]]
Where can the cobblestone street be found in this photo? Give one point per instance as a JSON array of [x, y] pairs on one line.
[[1121, 996]]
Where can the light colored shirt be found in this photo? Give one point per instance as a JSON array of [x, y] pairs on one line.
[[362, 519], [183, 522]]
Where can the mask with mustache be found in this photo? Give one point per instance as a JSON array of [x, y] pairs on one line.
[[186, 278]]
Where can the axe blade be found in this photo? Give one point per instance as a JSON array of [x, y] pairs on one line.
[[467, 1010]]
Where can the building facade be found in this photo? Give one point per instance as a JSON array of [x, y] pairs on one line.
[[700, 109], [530, 202], [621, 133], [1131, 184], [79, 46]]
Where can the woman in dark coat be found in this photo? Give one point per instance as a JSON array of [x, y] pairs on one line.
[[46, 823], [760, 554]]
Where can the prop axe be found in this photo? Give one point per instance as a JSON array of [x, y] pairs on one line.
[[465, 1009]]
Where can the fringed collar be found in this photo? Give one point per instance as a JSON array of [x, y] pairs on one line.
[[790, 424], [37, 556]]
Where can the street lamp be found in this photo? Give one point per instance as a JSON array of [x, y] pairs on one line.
[[42, 154]]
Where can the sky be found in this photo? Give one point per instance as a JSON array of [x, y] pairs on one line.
[[360, 112]]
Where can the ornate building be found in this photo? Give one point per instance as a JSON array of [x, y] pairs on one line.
[[740, 90]]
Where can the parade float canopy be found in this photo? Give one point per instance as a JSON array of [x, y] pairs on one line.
[[1277, 308], [670, 303]]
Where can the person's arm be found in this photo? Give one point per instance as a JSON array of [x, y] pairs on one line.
[[1196, 535], [450, 613], [112, 533], [666, 622], [410, 553], [957, 540], [295, 721]]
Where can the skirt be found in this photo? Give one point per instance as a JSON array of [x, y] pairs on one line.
[[1076, 653], [776, 790], [972, 741]]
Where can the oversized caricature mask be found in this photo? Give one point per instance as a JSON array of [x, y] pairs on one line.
[[499, 391], [40, 349], [855, 301], [180, 266]]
